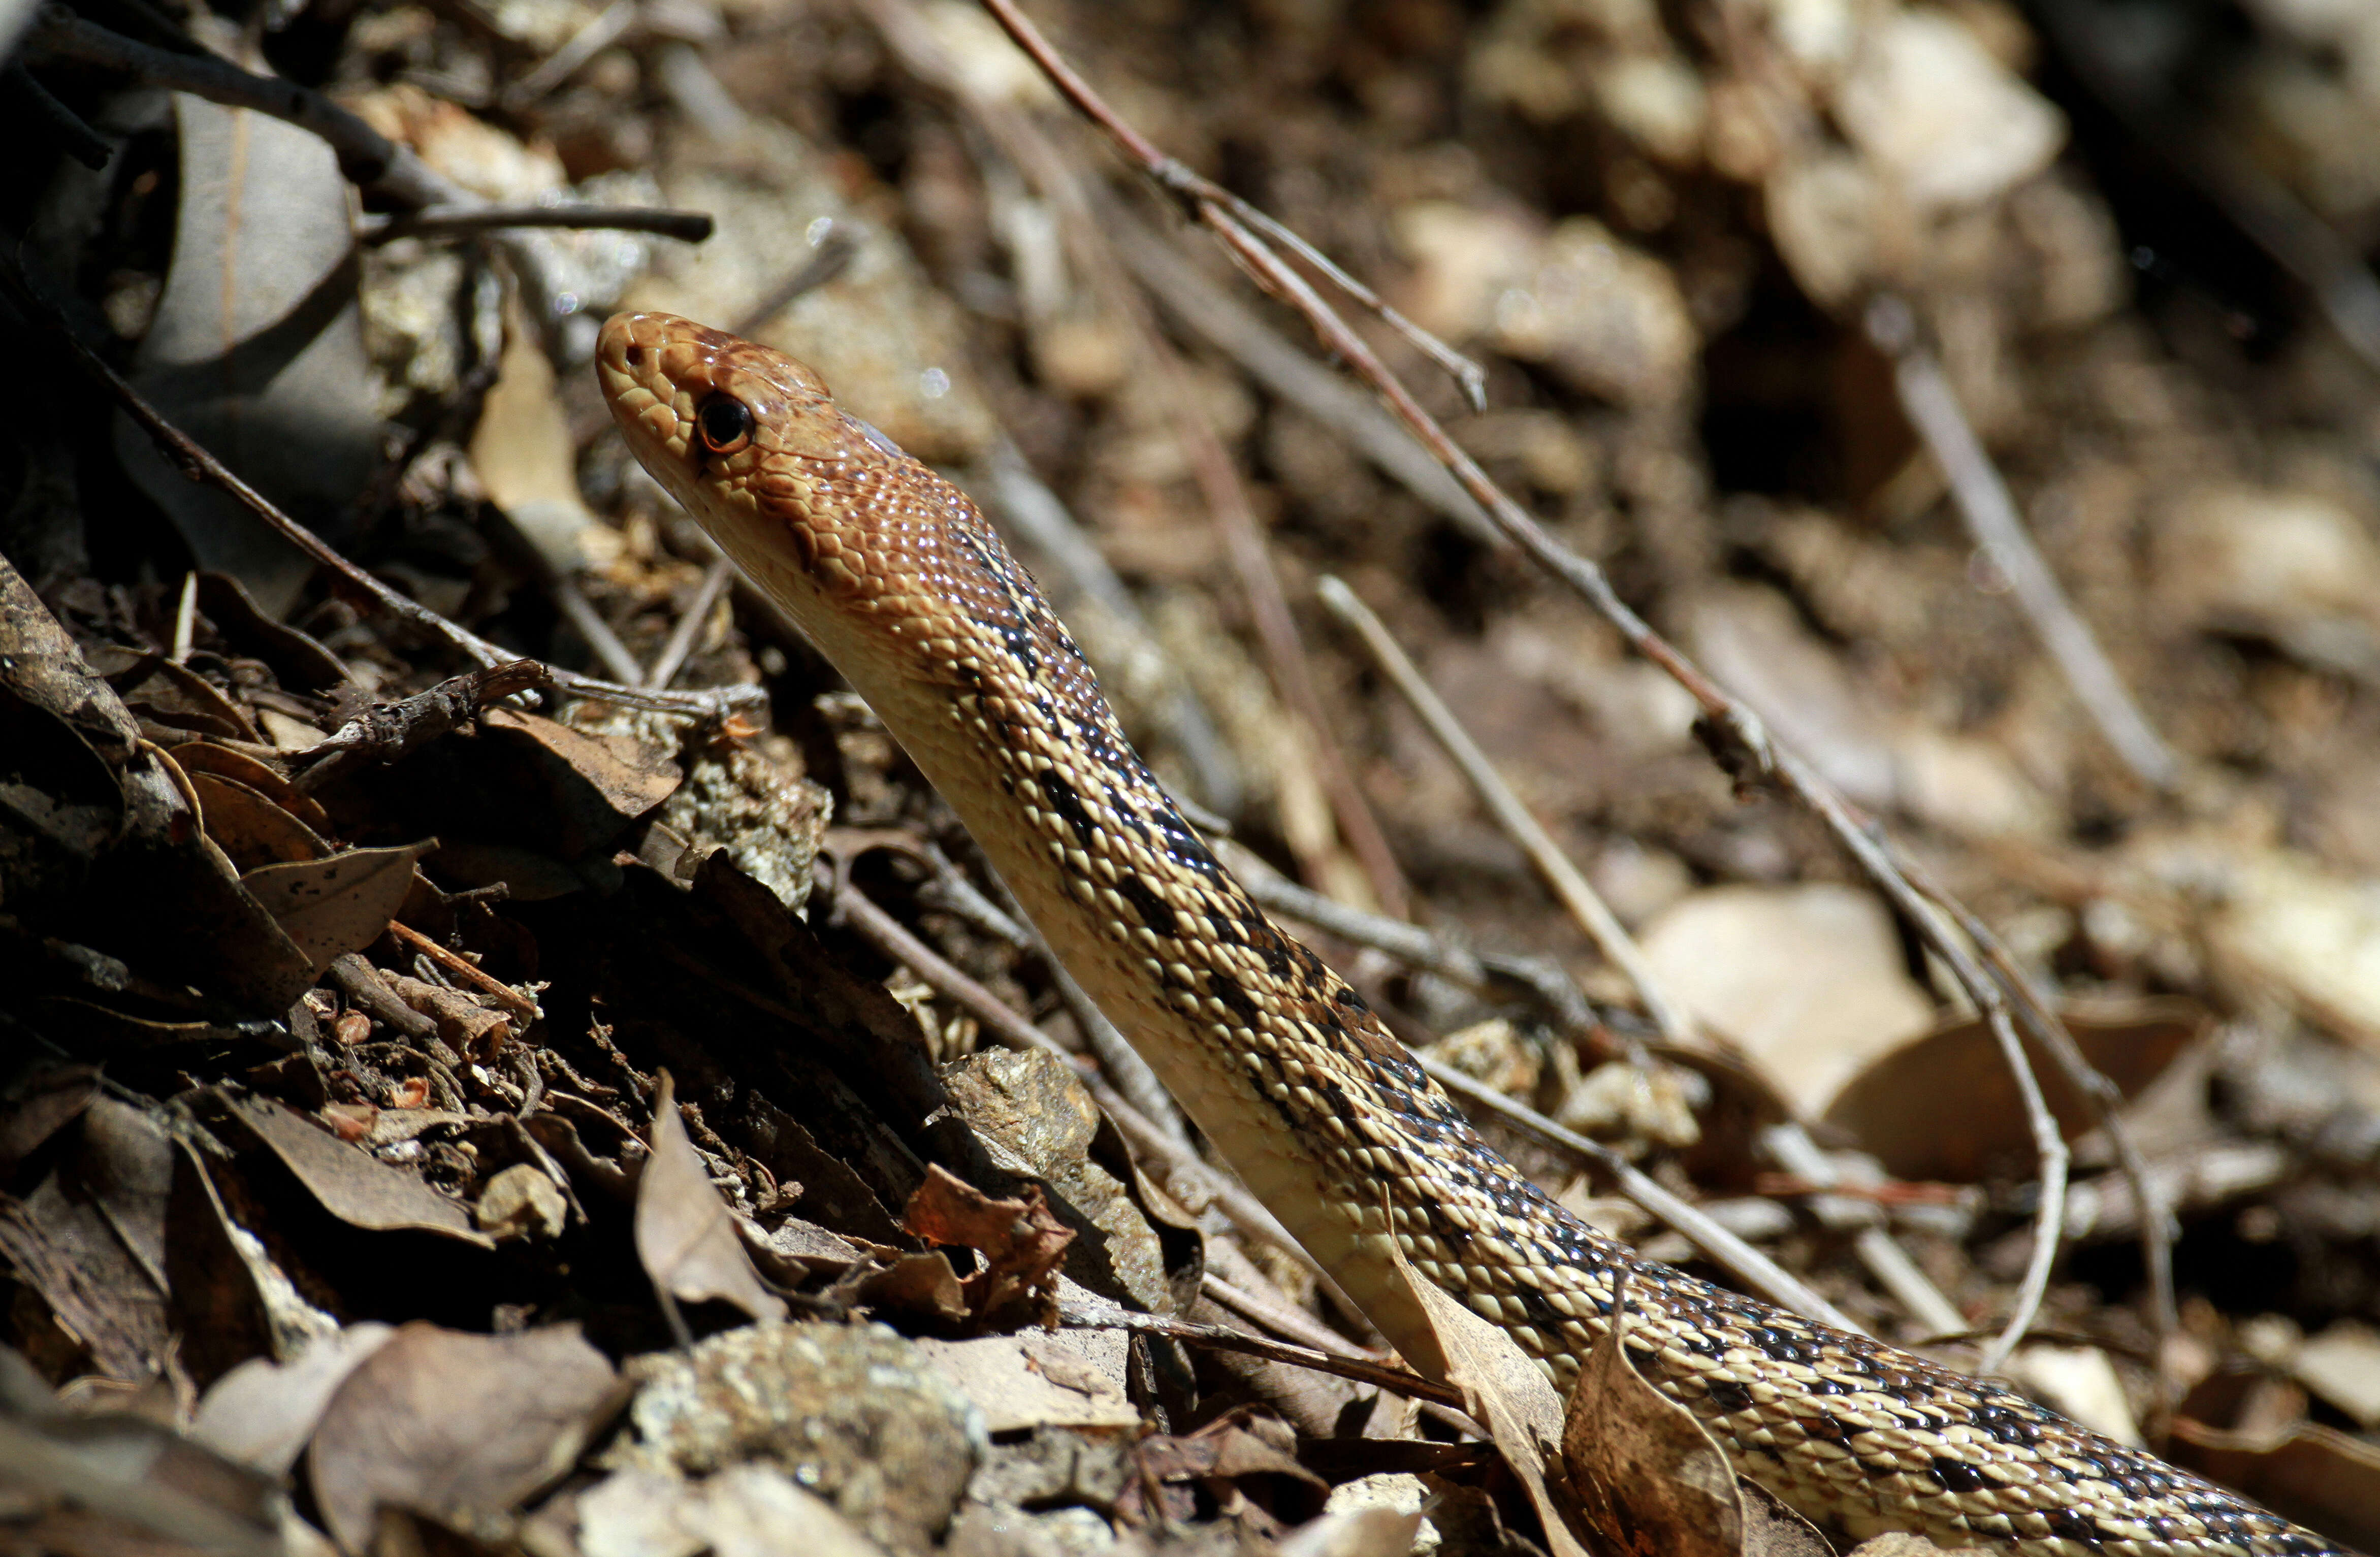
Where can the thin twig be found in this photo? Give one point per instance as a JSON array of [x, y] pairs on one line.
[[607, 28], [1542, 978], [1982, 500], [890, 936], [2048, 1231], [1233, 328], [2157, 1229], [449, 221], [1576, 894], [1194, 191], [1292, 1325], [1750, 1266], [1877, 1250], [366, 156], [672, 658], [1077, 1315]]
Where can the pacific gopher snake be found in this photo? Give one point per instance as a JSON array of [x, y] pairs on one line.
[[904, 585]]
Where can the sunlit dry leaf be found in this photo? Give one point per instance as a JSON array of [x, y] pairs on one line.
[[1020, 1242], [686, 1235], [1001, 1378], [1900, 1543], [262, 1412], [758, 1511], [922, 1286], [1505, 1391], [337, 904], [1807, 981], [459, 1427], [1647, 1478], [524, 452], [1771, 1529], [357, 1189]]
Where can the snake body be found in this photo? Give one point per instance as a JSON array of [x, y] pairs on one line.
[[901, 582]]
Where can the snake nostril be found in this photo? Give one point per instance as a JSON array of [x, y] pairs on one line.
[[634, 357]]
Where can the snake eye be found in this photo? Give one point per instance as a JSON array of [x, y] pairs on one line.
[[725, 424]]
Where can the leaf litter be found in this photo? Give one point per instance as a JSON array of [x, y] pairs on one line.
[[440, 1110]]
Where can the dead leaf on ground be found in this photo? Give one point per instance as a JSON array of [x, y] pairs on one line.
[[1945, 1106], [1020, 1241], [257, 347], [1505, 1391], [1018, 1388], [340, 904], [262, 1412], [37, 1105], [1644, 1476], [1247, 1462], [175, 696], [358, 1188], [521, 1202], [459, 1427], [685, 1236], [249, 826], [472, 1026], [2248, 1432], [128, 1470], [744, 1511], [205, 757], [1900, 1543], [629, 777]]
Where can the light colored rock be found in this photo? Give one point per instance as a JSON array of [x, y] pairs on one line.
[[1931, 107]]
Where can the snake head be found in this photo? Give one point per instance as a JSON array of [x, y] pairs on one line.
[[819, 507]]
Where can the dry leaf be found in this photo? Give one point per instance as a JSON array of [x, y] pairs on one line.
[[1647, 1478], [358, 1189], [459, 1427], [250, 827], [1363, 1532], [262, 1412], [1017, 1388], [1945, 1106], [129, 1470], [257, 347], [1505, 1390], [686, 1235], [1020, 1242], [339, 905]]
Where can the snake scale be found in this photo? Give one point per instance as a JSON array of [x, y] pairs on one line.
[[904, 585]]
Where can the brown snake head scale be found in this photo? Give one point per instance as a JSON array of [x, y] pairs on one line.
[[901, 582]]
